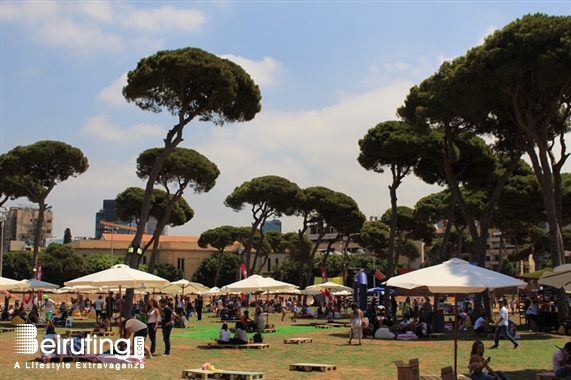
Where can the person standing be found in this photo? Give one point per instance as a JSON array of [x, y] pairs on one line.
[[356, 324], [167, 321], [198, 303], [153, 315], [502, 326], [109, 303], [49, 305], [98, 308]]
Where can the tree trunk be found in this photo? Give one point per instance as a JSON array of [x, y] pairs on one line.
[[392, 233], [220, 253], [38, 232], [449, 224]]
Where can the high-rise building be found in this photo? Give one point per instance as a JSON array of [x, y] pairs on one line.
[[107, 214], [21, 227], [273, 225]]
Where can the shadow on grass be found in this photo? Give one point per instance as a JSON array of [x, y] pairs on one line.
[[524, 374]]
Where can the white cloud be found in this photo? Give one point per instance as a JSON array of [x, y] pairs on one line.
[[113, 93], [163, 19], [30, 71], [89, 27], [264, 72], [100, 128]]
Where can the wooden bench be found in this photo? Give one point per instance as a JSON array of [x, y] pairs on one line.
[[323, 326], [298, 340], [436, 335], [6, 329], [547, 376], [307, 367], [221, 374], [260, 346], [335, 324], [70, 333]]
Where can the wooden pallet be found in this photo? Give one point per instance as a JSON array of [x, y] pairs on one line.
[[436, 335], [221, 374], [186, 327], [260, 346], [439, 377], [323, 326], [270, 330], [298, 340], [307, 367], [78, 332], [104, 333], [6, 329], [339, 324]]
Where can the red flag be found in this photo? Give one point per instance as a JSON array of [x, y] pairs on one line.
[[323, 273], [244, 270], [327, 296]]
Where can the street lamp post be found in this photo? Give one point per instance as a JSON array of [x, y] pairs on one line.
[[112, 234]]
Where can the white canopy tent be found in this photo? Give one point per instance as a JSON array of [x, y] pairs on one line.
[[8, 283], [332, 286], [559, 278], [454, 276]]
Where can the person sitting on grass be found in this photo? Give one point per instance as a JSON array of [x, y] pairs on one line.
[[224, 335], [478, 365], [560, 360], [247, 322], [103, 324], [240, 335], [481, 326], [33, 316]]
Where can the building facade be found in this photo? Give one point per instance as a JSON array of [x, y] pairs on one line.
[[107, 214], [20, 229]]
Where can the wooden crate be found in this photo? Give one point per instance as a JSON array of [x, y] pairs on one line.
[[307, 367], [199, 373], [260, 346], [298, 340]]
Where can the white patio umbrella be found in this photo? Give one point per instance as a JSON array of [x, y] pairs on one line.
[[559, 278], [214, 291], [342, 293], [120, 275], [185, 286], [8, 283], [328, 285], [33, 284], [454, 276], [256, 283]]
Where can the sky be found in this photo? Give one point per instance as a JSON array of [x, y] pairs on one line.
[[328, 71]]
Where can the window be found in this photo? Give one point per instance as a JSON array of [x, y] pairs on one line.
[[144, 260], [180, 264], [277, 261], [269, 265], [487, 258]]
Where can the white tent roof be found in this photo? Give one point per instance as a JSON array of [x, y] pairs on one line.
[[328, 285], [454, 276], [8, 283], [256, 283], [559, 278], [120, 275]]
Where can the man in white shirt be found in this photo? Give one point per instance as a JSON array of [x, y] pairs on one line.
[[502, 327], [481, 325]]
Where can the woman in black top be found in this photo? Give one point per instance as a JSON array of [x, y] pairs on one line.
[[167, 321]]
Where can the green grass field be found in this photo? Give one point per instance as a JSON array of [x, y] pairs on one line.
[[372, 360]]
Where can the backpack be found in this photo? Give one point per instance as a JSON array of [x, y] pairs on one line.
[[258, 338]]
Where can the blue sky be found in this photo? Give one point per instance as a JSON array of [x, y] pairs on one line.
[[328, 72]]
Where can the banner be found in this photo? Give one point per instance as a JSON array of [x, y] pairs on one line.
[[39, 271], [327, 296], [244, 270], [323, 273]]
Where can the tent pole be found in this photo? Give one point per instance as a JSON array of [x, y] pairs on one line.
[[455, 335]]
